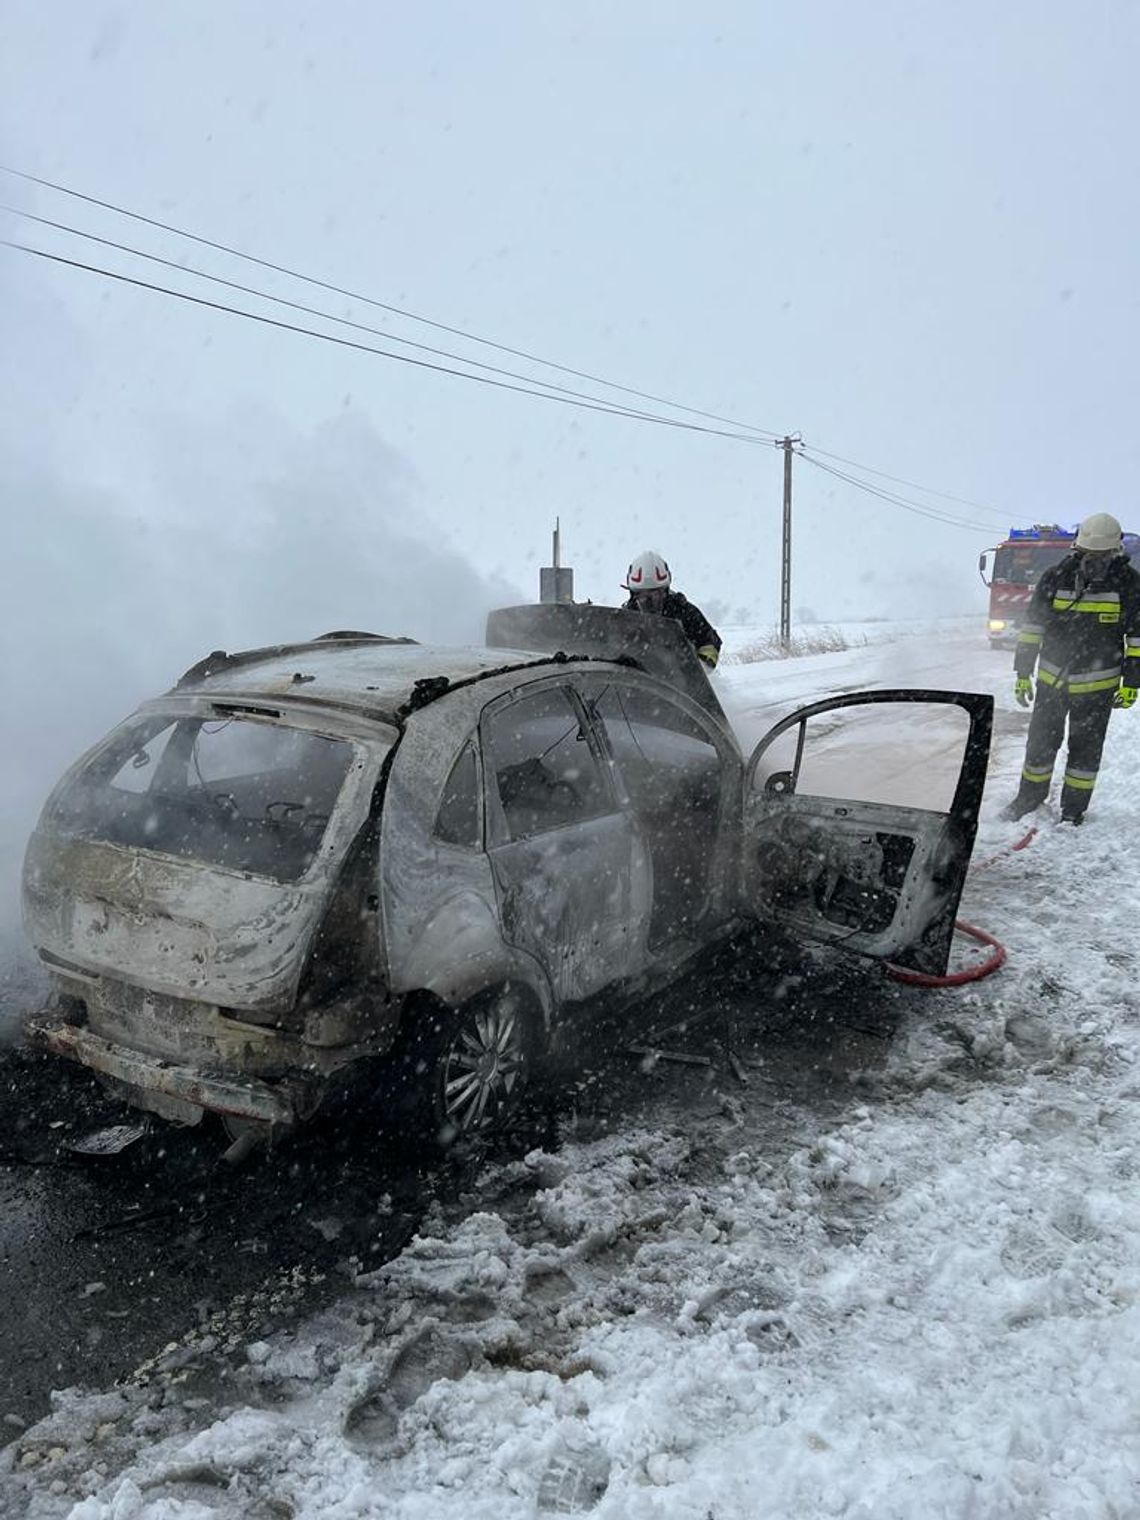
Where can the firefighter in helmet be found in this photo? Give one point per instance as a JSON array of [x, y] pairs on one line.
[[1082, 631], [650, 586]]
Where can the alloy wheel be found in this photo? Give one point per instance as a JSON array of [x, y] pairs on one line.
[[484, 1065]]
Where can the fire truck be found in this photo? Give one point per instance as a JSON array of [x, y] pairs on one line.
[[1018, 563]]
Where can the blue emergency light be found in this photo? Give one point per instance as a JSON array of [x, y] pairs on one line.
[[1042, 530]]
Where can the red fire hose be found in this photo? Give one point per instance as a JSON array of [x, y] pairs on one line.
[[983, 968], [955, 978]]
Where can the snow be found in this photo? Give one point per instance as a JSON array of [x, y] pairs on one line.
[[920, 1300]]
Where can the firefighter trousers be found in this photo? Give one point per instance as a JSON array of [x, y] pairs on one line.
[[1087, 714]]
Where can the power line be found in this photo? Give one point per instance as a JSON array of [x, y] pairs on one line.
[[733, 428], [411, 316], [313, 311], [867, 469], [366, 348], [920, 508], [550, 392]]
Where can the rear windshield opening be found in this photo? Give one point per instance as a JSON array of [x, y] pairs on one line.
[[250, 796]]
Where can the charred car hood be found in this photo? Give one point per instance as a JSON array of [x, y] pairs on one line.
[[169, 924]]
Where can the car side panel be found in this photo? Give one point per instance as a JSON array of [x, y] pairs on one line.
[[460, 952], [565, 896]]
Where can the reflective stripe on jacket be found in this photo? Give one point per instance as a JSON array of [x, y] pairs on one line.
[[1080, 634]]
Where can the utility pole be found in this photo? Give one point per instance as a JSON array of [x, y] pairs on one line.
[[788, 446]]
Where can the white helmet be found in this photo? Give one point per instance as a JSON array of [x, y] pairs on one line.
[[648, 572], [1099, 533]]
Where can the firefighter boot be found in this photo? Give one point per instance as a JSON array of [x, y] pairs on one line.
[[1018, 808], [1033, 788]]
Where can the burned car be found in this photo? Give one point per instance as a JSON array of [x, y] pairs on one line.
[[310, 859]]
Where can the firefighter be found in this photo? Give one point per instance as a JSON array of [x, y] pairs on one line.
[[650, 586], [1082, 631]]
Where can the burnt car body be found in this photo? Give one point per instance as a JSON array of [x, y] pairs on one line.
[[304, 858]]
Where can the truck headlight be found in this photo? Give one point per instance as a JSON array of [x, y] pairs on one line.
[[997, 625]]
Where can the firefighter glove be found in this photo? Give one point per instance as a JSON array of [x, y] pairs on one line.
[[709, 653], [1125, 696], [1023, 691]]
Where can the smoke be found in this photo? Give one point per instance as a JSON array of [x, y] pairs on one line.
[[230, 535], [273, 536]]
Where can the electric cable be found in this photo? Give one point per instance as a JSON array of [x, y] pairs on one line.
[[398, 311], [443, 369], [867, 469], [312, 311], [922, 509], [528, 384]]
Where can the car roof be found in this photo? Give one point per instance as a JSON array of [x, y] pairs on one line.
[[380, 678], [655, 645], [367, 674]]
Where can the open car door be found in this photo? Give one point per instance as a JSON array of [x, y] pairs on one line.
[[859, 819]]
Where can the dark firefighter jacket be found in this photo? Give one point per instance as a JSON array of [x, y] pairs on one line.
[[696, 627], [1083, 635]]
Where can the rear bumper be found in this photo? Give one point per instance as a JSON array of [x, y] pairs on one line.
[[283, 1103]]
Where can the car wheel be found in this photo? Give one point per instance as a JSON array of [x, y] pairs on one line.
[[468, 1068]]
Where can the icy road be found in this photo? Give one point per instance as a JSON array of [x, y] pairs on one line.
[[886, 1265]]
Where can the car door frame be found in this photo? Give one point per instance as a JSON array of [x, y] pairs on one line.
[[719, 907], [794, 845]]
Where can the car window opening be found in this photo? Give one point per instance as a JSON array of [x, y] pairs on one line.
[[457, 820], [247, 796], [546, 774], [672, 773]]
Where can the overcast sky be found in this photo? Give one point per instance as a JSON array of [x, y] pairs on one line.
[[904, 228]]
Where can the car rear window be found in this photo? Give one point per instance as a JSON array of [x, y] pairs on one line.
[[248, 795]]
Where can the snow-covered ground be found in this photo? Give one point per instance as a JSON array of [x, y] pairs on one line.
[[921, 1301]]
